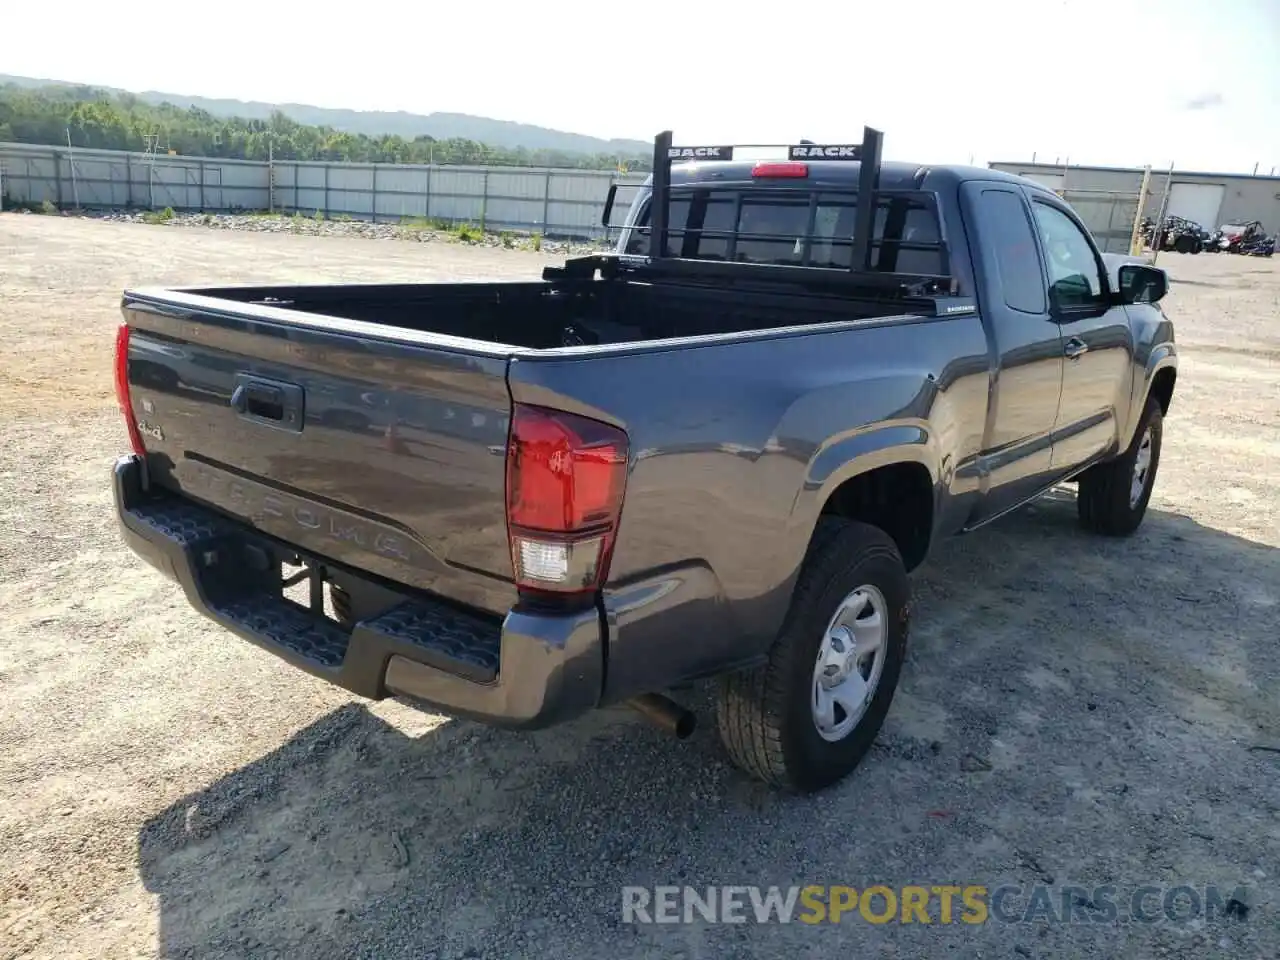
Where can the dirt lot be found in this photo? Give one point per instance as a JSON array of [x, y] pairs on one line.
[[1074, 711]]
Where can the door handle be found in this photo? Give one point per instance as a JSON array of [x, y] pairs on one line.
[[1075, 348], [271, 402]]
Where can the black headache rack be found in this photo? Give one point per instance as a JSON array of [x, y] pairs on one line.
[[882, 279]]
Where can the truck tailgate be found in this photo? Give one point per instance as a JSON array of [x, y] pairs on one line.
[[362, 448]]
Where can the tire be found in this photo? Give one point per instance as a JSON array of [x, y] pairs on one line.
[[1109, 501], [766, 715]]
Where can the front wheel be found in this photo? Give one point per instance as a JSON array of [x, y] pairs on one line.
[[1113, 496], [806, 717]]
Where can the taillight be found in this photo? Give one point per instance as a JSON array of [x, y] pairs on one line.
[[780, 168], [565, 480], [122, 389]]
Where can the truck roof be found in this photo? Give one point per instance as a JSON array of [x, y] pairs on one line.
[[894, 175]]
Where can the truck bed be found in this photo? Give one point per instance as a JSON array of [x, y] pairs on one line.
[[541, 315], [367, 424]]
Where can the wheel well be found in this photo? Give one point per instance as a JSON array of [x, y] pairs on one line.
[[898, 499], [1162, 387]]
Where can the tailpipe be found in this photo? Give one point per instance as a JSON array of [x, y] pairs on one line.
[[666, 714]]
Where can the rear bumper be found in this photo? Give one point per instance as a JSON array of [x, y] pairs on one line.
[[528, 670]]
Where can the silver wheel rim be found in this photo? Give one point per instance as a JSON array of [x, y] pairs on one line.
[[1141, 469], [850, 661]]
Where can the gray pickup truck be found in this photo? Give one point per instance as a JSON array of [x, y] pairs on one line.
[[716, 453]]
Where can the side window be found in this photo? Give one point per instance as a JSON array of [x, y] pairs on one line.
[[1074, 280], [1004, 220]]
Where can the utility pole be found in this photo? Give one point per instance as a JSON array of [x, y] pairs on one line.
[[1164, 205], [1135, 237], [152, 141]]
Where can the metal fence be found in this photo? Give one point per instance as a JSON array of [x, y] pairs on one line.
[[555, 202]]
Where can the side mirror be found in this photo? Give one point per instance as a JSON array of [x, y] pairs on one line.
[[1140, 283], [608, 205]]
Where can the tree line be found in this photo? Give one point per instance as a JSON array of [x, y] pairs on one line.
[[99, 119]]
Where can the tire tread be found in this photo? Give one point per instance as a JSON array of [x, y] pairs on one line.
[[751, 705]]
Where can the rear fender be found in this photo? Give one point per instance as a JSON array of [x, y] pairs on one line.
[[858, 454]]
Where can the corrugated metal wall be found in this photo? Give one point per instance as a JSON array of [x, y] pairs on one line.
[[553, 202]]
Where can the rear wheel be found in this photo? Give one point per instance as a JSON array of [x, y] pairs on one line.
[[806, 717], [1113, 496]]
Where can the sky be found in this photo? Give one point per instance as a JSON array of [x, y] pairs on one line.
[[1112, 82]]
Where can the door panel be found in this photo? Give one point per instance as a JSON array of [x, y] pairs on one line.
[[1096, 339], [1024, 399]]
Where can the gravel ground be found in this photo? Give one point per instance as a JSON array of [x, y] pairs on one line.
[[1074, 711]]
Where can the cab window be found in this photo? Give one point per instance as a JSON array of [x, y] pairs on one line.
[[770, 228], [1075, 279]]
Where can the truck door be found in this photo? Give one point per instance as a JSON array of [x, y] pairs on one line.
[[1097, 342], [1017, 459]]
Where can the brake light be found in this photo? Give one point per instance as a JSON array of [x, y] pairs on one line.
[[123, 399], [566, 476], [780, 168]]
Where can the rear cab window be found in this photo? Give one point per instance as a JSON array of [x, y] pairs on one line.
[[1002, 216], [792, 228]]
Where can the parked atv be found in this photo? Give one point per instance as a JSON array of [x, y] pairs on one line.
[[1176, 233], [1184, 236], [1247, 237], [1260, 248]]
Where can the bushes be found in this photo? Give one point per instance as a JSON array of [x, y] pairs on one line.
[[159, 216]]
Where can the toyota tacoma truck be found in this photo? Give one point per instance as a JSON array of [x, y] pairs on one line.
[[716, 453]]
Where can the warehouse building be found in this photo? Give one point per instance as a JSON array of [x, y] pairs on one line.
[[1209, 199]]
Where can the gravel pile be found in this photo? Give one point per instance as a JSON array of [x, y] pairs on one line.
[[416, 231]]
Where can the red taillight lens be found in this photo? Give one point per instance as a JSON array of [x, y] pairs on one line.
[[122, 389], [566, 476], [780, 168]]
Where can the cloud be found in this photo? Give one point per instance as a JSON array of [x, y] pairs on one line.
[[1206, 101]]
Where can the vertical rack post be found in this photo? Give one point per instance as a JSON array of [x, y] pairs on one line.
[[868, 184], [660, 195]]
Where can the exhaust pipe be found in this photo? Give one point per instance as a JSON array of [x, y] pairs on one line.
[[666, 714]]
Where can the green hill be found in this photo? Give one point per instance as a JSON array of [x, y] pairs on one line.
[[42, 111]]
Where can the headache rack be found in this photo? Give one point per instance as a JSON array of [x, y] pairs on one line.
[[881, 278]]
